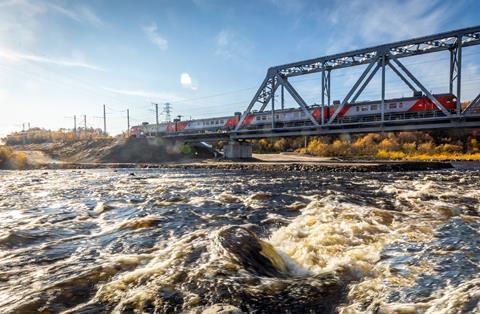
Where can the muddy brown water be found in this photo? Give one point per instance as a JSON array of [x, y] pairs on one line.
[[184, 240]]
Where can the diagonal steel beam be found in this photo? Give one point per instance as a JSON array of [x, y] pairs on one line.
[[414, 79], [252, 103], [365, 84], [354, 88], [297, 98], [474, 103], [267, 100], [401, 76]]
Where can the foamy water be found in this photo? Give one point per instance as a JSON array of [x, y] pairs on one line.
[[186, 240]]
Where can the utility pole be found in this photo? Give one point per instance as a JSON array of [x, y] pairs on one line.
[[128, 123], [75, 125], [85, 123], [28, 125], [104, 121], [23, 133], [156, 120]]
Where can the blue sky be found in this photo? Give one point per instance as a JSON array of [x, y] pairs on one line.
[[206, 57]]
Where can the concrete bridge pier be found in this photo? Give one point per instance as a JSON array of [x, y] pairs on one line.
[[237, 150]]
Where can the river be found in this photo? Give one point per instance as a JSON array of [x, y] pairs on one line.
[[173, 240]]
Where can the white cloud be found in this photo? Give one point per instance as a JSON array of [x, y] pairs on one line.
[[152, 33], [186, 81], [30, 15], [153, 95], [351, 24], [382, 21], [80, 13], [231, 45], [15, 56]]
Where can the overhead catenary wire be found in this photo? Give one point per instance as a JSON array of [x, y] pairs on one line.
[[94, 90]]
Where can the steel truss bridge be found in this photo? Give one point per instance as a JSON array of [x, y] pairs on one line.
[[377, 59]]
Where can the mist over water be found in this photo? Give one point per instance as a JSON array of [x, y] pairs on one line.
[[184, 240]]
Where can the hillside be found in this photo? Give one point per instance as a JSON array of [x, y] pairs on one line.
[[131, 150]]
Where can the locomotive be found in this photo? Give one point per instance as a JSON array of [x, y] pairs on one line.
[[418, 106]]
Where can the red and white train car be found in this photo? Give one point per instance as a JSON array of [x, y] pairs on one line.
[[395, 109]]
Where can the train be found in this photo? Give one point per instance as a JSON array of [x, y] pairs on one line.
[[417, 106]]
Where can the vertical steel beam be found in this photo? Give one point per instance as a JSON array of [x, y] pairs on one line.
[[297, 98], [459, 75], [323, 98], [273, 102], [354, 88], [414, 79], [283, 97], [382, 105], [452, 69], [266, 100], [328, 87]]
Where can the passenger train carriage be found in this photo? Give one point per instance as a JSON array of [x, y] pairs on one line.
[[395, 109]]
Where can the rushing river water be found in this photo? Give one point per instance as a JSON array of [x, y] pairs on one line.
[[169, 241]]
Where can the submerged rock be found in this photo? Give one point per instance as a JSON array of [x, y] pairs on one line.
[[255, 255]]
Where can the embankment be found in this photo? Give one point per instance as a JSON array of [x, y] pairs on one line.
[[133, 150], [155, 153]]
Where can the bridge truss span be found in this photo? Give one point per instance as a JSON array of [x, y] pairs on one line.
[[376, 59]]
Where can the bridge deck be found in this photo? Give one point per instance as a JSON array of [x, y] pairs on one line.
[[471, 121]]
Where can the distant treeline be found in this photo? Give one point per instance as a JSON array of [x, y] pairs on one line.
[[40, 136], [394, 145]]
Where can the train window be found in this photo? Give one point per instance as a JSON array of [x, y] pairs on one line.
[[264, 117], [222, 122], [392, 106], [277, 116], [358, 108], [364, 108], [257, 117], [373, 107], [400, 105]]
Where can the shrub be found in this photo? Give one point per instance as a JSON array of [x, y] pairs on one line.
[[10, 159], [280, 145], [383, 154]]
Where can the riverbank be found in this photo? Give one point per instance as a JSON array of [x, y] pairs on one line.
[[147, 154], [327, 166]]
